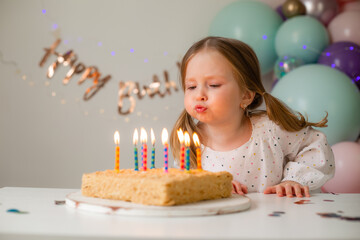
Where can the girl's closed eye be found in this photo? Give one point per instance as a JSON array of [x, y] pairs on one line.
[[191, 87], [214, 85]]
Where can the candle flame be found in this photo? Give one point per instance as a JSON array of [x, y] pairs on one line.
[[196, 139], [143, 135], [164, 136], [187, 139], [117, 137], [152, 137], [135, 137], [180, 136]]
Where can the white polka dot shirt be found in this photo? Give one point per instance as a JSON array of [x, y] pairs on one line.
[[273, 155]]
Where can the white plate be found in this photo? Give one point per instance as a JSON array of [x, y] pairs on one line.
[[235, 203]]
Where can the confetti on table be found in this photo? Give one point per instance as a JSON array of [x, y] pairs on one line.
[[328, 200], [335, 215], [276, 214], [59, 202], [303, 202], [334, 193], [14, 210]]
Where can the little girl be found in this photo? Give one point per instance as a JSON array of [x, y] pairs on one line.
[[272, 151]]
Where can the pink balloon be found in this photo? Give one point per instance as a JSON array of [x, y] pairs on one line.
[[347, 169], [352, 6], [345, 27]]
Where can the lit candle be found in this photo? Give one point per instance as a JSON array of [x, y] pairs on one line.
[[135, 141], [153, 149], [143, 138], [164, 139], [182, 148], [187, 151], [198, 152], [117, 151]]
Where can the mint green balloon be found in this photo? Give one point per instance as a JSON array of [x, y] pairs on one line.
[[315, 89], [302, 37], [252, 22]]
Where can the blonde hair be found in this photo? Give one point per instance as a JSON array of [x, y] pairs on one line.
[[246, 70]]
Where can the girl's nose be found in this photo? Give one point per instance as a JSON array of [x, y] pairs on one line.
[[201, 96]]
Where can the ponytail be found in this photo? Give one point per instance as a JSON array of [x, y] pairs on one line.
[[282, 115], [186, 123]]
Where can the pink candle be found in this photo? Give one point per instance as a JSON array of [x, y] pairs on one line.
[[164, 138], [182, 148], [143, 137]]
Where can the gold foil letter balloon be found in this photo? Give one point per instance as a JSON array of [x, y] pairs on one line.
[[292, 8]]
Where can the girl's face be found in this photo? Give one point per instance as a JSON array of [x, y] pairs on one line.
[[212, 94]]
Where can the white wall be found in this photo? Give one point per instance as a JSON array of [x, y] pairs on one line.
[[49, 141]]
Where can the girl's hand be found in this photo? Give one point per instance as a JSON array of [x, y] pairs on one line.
[[239, 188], [288, 188]]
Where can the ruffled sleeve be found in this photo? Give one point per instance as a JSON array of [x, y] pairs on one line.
[[308, 158]]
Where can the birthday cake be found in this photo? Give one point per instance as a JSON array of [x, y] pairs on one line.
[[156, 187]]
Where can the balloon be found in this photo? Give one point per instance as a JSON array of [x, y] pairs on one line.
[[347, 169], [344, 56], [292, 8], [322, 10], [349, 5], [285, 64], [252, 22], [315, 89], [280, 12], [345, 27], [302, 37]]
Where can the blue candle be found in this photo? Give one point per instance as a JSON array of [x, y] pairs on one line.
[[152, 150]]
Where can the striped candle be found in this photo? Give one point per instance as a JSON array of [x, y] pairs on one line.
[[166, 157], [198, 152], [117, 151], [153, 149], [136, 159], [164, 139], [187, 151], [145, 157], [135, 142], [143, 138], [182, 148]]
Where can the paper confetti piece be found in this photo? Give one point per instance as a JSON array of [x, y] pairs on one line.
[[328, 200], [335, 215], [59, 202], [14, 210], [276, 214], [303, 202]]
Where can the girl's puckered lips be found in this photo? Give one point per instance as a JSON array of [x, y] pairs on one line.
[[200, 109]]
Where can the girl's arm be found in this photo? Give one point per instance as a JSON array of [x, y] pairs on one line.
[[309, 161]]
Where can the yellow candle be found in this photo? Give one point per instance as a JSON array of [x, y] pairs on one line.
[[198, 152], [117, 151]]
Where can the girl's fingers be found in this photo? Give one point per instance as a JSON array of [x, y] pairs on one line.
[[269, 190], [279, 190], [297, 189], [288, 190], [237, 187], [244, 189], [306, 191]]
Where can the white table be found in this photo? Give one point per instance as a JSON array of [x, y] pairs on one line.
[[45, 220]]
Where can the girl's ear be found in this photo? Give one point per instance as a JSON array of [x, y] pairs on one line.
[[247, 98]]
